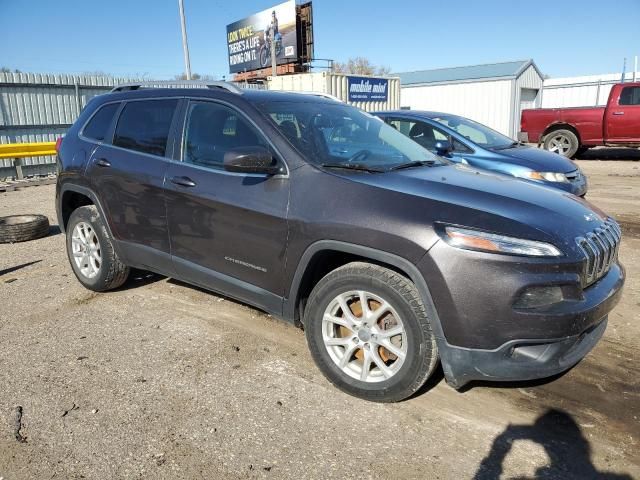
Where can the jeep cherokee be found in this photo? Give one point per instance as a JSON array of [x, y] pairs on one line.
[[392, 259]]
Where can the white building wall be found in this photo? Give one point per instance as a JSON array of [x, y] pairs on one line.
[[530, 81], [591, 90], [488, 102], [337, 85]]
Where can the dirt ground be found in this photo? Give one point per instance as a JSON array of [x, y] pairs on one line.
[[163, 380]]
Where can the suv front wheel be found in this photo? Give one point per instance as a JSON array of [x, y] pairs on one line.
[[90, 250], [369, 334]]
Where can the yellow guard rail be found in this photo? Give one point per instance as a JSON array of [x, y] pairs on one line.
[[22, 150]]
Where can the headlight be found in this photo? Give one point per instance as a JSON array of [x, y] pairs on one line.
[[490, 242], [548, 176]]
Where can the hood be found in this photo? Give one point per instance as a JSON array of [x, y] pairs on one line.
[[537, 159], [462, 195]]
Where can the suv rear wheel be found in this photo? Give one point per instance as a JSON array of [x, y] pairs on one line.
[[369, 334], [91, 253]]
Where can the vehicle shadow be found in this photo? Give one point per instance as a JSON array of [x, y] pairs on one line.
[[558, 433], [140, 278], [610, 153]]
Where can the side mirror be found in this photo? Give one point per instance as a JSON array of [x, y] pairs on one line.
[[443, 148], [250, 160]]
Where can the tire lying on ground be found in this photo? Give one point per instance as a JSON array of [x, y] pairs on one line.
[[20, 228]]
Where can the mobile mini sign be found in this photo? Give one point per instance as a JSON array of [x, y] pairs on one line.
[[367, 89], [249, 40]]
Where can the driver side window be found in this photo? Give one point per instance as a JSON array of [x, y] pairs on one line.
[[212, 130]]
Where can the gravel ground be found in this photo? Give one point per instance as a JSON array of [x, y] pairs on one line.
[[163, 380]]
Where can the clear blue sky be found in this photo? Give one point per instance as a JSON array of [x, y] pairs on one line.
[[136, 37]]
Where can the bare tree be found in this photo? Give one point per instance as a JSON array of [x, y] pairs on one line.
[[195, 76], [360, 66], [8, 70]]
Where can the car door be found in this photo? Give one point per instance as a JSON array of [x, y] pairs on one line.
[[623, 119], [127, 174], [228, 230]]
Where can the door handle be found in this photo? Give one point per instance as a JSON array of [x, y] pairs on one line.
[[183, 181], [618, 113], [103, 162]]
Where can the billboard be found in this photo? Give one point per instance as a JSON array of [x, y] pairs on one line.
[[367, 89], [249, 41]]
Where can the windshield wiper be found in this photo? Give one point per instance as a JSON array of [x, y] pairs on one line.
[[353, 166], [415, 163]]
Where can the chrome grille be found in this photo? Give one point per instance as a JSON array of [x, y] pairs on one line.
[[600, 247]]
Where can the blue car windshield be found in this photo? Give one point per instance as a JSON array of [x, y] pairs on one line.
[[476, 132], [335, 133]]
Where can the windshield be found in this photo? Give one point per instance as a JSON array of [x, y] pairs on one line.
[[332, 133], [476, 132]]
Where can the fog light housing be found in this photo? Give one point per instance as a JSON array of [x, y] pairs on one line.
[[541, 296]]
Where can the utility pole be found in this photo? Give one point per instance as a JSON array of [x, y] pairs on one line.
[[635, 67], [185, 46], [274, 69]]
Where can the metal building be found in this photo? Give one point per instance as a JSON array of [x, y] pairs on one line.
[[585, 91], [493, 94], [340, 86]]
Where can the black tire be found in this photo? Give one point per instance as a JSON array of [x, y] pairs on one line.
[[112, 273], [20, 228], [421, 354], [564, 136]]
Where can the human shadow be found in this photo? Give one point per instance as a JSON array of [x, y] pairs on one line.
[[559, 434]]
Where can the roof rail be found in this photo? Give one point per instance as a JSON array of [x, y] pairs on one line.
[[317, 94], [177, 83]]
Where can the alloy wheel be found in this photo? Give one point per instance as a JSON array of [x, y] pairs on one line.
[[364, 336], [86, 250]]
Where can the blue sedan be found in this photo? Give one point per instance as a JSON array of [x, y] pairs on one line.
[[462, 140]]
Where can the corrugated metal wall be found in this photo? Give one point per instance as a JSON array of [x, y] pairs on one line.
[[40, 108], [336, 85], [528, 80], [591, 90], [489, 102]]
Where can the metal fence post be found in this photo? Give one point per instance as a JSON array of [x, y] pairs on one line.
[[77, 89], [17, 163]]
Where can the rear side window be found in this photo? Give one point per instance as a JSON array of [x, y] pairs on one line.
[[144, 126], [630, 96], [99, 124]]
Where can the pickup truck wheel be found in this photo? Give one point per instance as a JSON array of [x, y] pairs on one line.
[[368, 332], [91, 253], [562, 142]]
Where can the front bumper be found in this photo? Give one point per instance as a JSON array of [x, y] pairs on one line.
[[520, 360], [485, 337]]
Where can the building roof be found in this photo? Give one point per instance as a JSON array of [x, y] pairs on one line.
[[504, 70]]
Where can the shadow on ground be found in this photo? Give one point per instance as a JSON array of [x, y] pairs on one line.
[[558, 433], [610, 154]]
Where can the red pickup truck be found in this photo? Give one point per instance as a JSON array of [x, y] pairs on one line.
[[570, 131]]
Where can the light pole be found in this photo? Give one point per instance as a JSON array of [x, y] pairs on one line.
[[185, 46]]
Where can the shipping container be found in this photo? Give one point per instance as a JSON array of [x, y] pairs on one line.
[[362, 91]]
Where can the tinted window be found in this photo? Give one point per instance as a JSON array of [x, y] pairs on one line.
[[630, 96], [420, 132], [212, 130], [144, 126], [476, 132], [100, 122]]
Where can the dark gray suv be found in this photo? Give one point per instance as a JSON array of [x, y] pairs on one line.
[[390, 258]]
